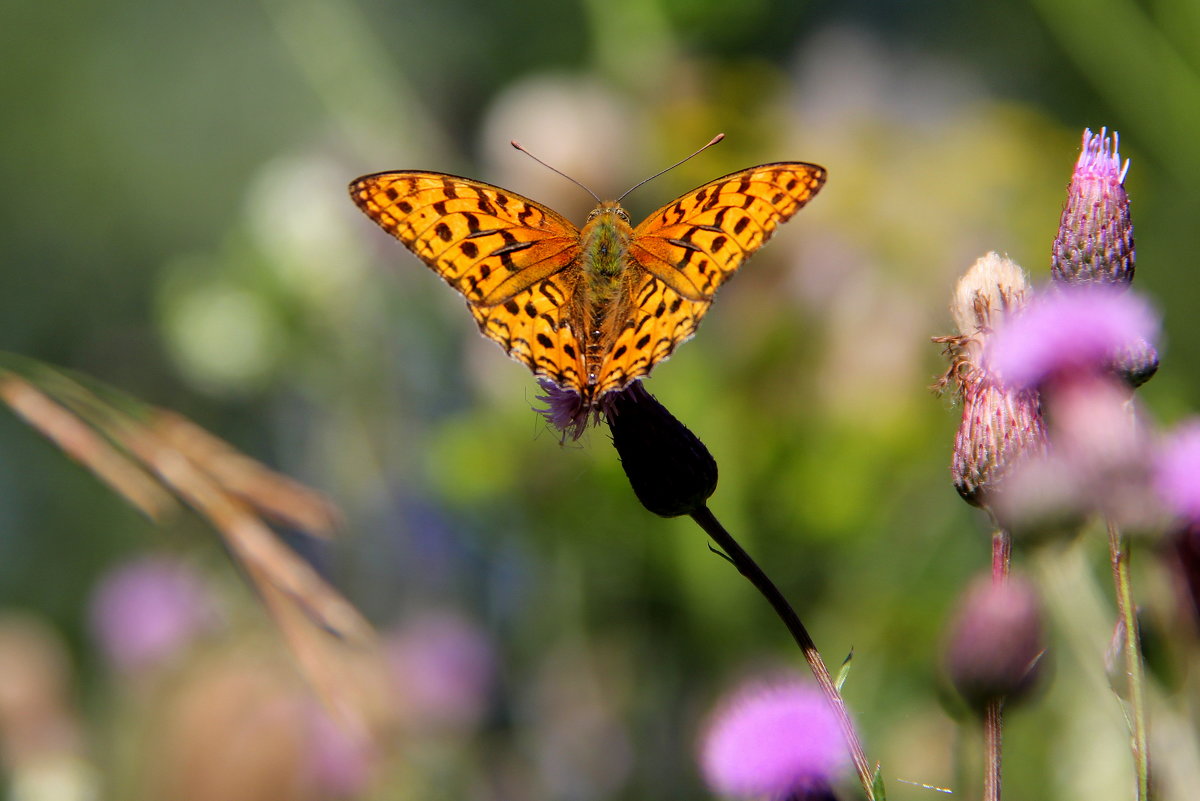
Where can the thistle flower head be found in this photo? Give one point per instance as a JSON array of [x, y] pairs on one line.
[[1095, 236], [670, 470], [1078, 329], [566, 410], [774, 741]]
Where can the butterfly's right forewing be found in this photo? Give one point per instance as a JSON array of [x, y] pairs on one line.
[[514, 260]]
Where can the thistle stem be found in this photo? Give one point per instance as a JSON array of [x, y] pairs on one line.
[[750, 569], [993, 713], [1119, 553]]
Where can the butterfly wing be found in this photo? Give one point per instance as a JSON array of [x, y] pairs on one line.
[[691, 246], [514, 260]]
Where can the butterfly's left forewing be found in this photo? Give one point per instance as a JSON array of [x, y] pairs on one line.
[[689, 247], [514, 260]]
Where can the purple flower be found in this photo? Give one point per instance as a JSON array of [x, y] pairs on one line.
[[565, 410], [773, 741], [146, 611], [1177, 472], [1095, 236], [1084, 329], [339, 763], [442, 667]]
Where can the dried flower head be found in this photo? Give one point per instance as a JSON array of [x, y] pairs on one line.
[[1000, 425], [774, 741], [1095, 236], [995, 644]]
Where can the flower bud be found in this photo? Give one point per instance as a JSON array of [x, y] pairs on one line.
[[995, 646], [1095, 236], [670, 470]]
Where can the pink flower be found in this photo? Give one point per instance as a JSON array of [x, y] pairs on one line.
[[1177, 472], [773, 741], [442, 666], [1084, 329], [146, 611]]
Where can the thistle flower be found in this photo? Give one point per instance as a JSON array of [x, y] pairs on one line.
[[1177, 472], [565, 410], [1076, 330], [1000, 425], [670, 470], [1064, 344], [994, 648], [775, 741], [1095, 236]]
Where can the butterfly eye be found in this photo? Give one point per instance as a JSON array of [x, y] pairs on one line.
[[592, 214], [621, 213]]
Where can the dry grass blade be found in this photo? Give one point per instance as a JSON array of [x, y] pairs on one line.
[[273, 495], [81, 442], [152, 457]]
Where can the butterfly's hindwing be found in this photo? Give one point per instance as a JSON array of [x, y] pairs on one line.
[[661, 318]]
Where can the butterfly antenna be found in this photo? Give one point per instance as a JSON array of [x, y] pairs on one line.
[[517, 145], [712, 142]]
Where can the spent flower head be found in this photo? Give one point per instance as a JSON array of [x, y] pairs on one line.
[[774, 741], [1094, 244], [1000, 425]]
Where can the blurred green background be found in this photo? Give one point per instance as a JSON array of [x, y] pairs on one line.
[[175, 223]]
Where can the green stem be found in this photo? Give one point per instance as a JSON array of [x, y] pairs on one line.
[[1119, 553], [750, 569]]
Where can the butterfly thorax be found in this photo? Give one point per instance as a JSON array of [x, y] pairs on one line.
[[604, 301]]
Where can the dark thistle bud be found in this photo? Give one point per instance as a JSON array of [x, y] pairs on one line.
[[670, 470], [1095, 237], [995, 644]]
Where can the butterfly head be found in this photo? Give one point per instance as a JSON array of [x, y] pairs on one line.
[[609, 207]]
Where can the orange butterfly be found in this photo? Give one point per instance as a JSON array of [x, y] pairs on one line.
[[593, 309]]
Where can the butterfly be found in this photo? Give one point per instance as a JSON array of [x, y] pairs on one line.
[[590, 309]]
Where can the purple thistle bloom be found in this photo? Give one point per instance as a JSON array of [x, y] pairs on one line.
[[1177, 472], [566, 411], [777, 741], [146, 611], [1095, 236], [1084, 329]]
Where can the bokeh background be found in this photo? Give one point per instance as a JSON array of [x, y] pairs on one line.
[[175, 223]]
